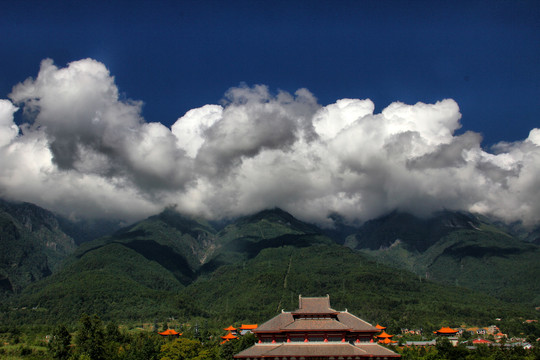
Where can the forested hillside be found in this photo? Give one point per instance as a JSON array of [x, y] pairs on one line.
[[456, 249], [404, 271], [258, 288], [32, 245], [35, 241]]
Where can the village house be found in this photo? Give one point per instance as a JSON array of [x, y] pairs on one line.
[[316, 331], [481, 331], [406, 331]]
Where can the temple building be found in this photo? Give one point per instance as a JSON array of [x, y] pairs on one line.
[[385, 338], [445, 331], [316, 331], [247, 328], [228, 337], [231, 334], [449, 333]]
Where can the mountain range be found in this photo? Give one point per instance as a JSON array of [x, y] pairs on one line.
[[450, 267], [458, 249]]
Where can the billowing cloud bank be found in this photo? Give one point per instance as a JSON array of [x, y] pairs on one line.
[[85, 151]]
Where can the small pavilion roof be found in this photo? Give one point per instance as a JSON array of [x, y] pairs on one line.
[[169, 332], [229, 336], [446, 330], [384, 335], [380, 327], [387, 341], [230, 328]]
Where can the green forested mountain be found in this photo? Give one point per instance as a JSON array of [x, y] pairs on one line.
[[32, 244], [244, 238], [111, 280], [417, 234], [259, 288], [141, 270], [178, 243], [34, 241], [458, 249], [171, 265]]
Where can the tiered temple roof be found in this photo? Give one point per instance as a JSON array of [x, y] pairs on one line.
[[229, 336], [231, 331], [315, 330], [384, 335]]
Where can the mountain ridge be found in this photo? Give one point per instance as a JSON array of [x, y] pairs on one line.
[[33, 244], [456, 248], [161, 261]]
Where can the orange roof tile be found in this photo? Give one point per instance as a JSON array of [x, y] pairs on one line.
[[229, 336], [248, 326], [380, 327], [445, 330], [384, 335], [169, 332], [387, 341], [230, 328]]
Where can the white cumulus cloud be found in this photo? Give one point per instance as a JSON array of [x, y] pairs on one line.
[[8, 129], [84, 151]]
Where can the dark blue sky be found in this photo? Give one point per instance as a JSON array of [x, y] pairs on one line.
[[178, 55]]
